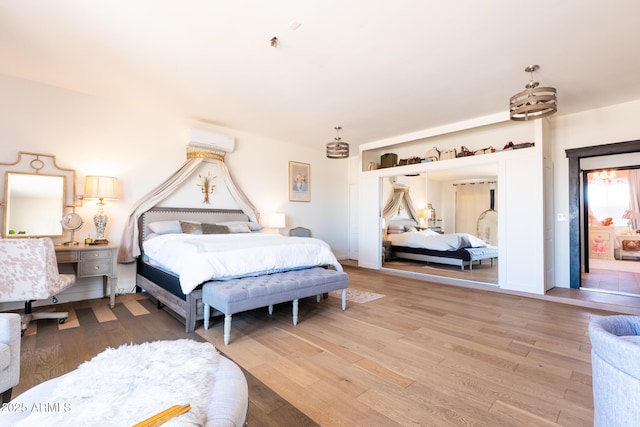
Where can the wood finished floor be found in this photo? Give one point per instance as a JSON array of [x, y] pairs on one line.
[[49, 350], [425, 354]]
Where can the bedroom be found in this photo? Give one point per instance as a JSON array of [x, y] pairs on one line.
[[142, 144]]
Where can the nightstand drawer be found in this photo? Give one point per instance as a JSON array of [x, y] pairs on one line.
[[94, 268], [67, 256], [93, 255]]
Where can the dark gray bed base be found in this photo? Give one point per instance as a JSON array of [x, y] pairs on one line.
[[398, 252], [162, 289]]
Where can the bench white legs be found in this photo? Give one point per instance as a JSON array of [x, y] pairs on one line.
[[207, 315], [227, 323], [227, 328], [227, 317]]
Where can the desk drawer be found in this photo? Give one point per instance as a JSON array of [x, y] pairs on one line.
[[66, 256], [94, 255], [94, 268]]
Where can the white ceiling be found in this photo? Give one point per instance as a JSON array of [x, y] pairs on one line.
[[376, 68]]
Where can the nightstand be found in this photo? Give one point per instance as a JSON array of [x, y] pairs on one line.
[[92, 261]]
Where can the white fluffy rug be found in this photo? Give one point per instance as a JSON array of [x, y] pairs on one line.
[[123, 386]]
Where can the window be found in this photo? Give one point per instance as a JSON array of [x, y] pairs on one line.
[[608, 196]]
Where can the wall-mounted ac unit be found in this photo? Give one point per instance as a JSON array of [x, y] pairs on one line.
[[211, 140]]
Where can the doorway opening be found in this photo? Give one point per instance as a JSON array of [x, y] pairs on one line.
[[582, 238], [612, 250]]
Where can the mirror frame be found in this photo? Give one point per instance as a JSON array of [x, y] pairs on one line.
[[38, 164]]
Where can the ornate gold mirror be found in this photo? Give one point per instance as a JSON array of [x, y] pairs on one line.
[[36, 195]]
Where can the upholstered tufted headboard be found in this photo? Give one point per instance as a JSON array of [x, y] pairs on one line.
[[209, 216]]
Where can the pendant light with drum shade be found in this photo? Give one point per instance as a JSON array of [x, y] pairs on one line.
[[337, 149], [534, 102]]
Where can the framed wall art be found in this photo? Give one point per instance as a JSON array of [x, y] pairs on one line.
[[299, 182]]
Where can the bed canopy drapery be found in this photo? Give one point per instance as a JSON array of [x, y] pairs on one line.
[[196, 155], [400, 198]]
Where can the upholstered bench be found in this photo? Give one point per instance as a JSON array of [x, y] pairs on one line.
[[247, 293]]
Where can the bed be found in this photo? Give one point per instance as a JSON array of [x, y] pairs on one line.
[[185, 248], [459, 249]]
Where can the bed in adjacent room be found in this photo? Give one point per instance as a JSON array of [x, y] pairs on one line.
[[459, 249]]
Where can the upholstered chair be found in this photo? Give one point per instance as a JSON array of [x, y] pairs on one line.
[[29, 272], [9, 354], [300, 232], [615, 364]]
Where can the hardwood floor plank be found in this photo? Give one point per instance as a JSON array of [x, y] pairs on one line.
[[72, 320], [102, 311]]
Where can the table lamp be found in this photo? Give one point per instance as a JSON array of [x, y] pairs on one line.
[[101, 188]]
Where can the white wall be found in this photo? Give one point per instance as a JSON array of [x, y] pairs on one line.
[[617, 123], [142, 146]]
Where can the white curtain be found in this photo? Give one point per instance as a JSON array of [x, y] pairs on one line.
[[399, 198], [634, 195], [471, 200], [129, 249]]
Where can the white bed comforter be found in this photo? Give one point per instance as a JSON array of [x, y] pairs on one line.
[[198, 258], [429, 239]]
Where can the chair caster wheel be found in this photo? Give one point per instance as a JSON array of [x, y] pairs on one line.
[[61, 321]]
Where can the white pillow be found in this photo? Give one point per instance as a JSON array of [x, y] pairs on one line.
[[165, 227], [237, 228], [253, 226]]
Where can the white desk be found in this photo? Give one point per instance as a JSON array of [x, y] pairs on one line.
[[92, 261]]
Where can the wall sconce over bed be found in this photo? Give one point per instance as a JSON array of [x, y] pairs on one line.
[[101, 188]]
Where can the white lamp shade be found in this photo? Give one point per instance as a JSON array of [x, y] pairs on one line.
[[101, 187], [276, 220]]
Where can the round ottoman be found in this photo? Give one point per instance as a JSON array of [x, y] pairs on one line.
[[226, 404]]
